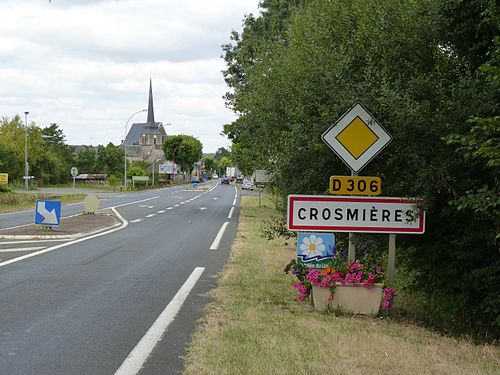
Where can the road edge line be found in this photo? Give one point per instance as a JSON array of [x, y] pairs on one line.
[[141, 352]]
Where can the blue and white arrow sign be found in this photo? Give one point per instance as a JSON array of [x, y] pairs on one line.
[[48, 212]]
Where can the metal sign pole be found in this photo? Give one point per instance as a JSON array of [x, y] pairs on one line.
[[392, 259], [351, 257]]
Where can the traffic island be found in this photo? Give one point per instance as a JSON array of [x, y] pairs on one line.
[[71, 227]]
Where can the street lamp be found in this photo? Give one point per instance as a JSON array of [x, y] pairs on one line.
[[26, 151], [154, 170], [125, 148]]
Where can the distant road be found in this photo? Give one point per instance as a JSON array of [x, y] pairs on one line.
[[101, 306]]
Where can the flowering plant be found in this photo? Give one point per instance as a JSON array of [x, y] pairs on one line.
[[342, 272]]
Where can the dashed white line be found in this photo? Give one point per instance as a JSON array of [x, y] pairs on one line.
[[137, 220], [135, 360], [234, 202], [176, 205], [150, 215], [230, 213], [215, 244], [169, 208], [161, 212]]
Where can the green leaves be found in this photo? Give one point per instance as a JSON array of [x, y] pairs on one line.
[[424, 69], [184, 150]]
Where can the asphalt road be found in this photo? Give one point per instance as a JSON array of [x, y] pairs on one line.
[[125, 302]]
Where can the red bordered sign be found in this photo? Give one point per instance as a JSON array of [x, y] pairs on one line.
[[321, 213]]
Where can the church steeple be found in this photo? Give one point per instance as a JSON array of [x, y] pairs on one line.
[[151, 112]]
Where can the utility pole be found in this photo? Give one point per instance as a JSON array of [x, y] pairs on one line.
[[26, 176]]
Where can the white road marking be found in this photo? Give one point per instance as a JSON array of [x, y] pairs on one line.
[[230, 213], [176, 205], [234, 202], [161, 212], [140, 201], [16, 249], [202, 208], [73, 204], [215, 198], [124, 224], [150, 215], [170, 208], [138, 356], [183, 202], [215, 244], [137, 220]]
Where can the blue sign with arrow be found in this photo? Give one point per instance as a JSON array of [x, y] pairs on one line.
[[48, 213]]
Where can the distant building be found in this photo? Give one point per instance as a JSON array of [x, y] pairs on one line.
[[146, 139]]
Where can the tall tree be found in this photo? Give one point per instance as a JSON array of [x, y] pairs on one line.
[[394, 58], [184, 150], [9, 162]]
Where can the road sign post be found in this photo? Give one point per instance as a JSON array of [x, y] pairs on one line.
[[48, 213], [356, 137], [74, 173]]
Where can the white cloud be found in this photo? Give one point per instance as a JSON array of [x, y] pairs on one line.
[[86, 64]]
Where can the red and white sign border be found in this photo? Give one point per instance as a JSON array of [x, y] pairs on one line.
[[355, 229]]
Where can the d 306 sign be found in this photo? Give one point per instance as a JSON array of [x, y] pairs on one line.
[[353, 185]]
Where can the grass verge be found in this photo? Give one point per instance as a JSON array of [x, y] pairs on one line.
[[254, 325], [10, 202]]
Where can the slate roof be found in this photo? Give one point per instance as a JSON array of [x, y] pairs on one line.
[[155, 154], [136, 131], [134, 152]]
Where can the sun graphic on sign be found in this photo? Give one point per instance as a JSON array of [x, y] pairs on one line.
[[312, 246]]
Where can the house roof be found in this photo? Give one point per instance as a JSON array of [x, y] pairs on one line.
[[154, 155], [135, 152]]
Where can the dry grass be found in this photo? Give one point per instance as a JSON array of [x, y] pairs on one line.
[[10, 202], [255, 326]]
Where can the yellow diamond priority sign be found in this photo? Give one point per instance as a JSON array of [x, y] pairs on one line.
[[356, 137]]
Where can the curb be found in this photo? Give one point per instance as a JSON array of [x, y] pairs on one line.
[[55, 236], [59, 236]]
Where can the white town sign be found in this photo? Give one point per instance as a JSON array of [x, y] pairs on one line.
[[320, 213]]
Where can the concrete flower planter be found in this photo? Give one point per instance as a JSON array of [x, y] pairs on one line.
[[353, 298]]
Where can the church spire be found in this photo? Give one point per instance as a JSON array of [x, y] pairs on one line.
[[151, 112]]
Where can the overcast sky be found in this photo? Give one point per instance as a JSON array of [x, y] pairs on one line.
[[86, 64]]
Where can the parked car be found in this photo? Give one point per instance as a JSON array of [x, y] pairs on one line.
[[195, 179], [215, 175], [247, 185], [225, 180], [239, 178]]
